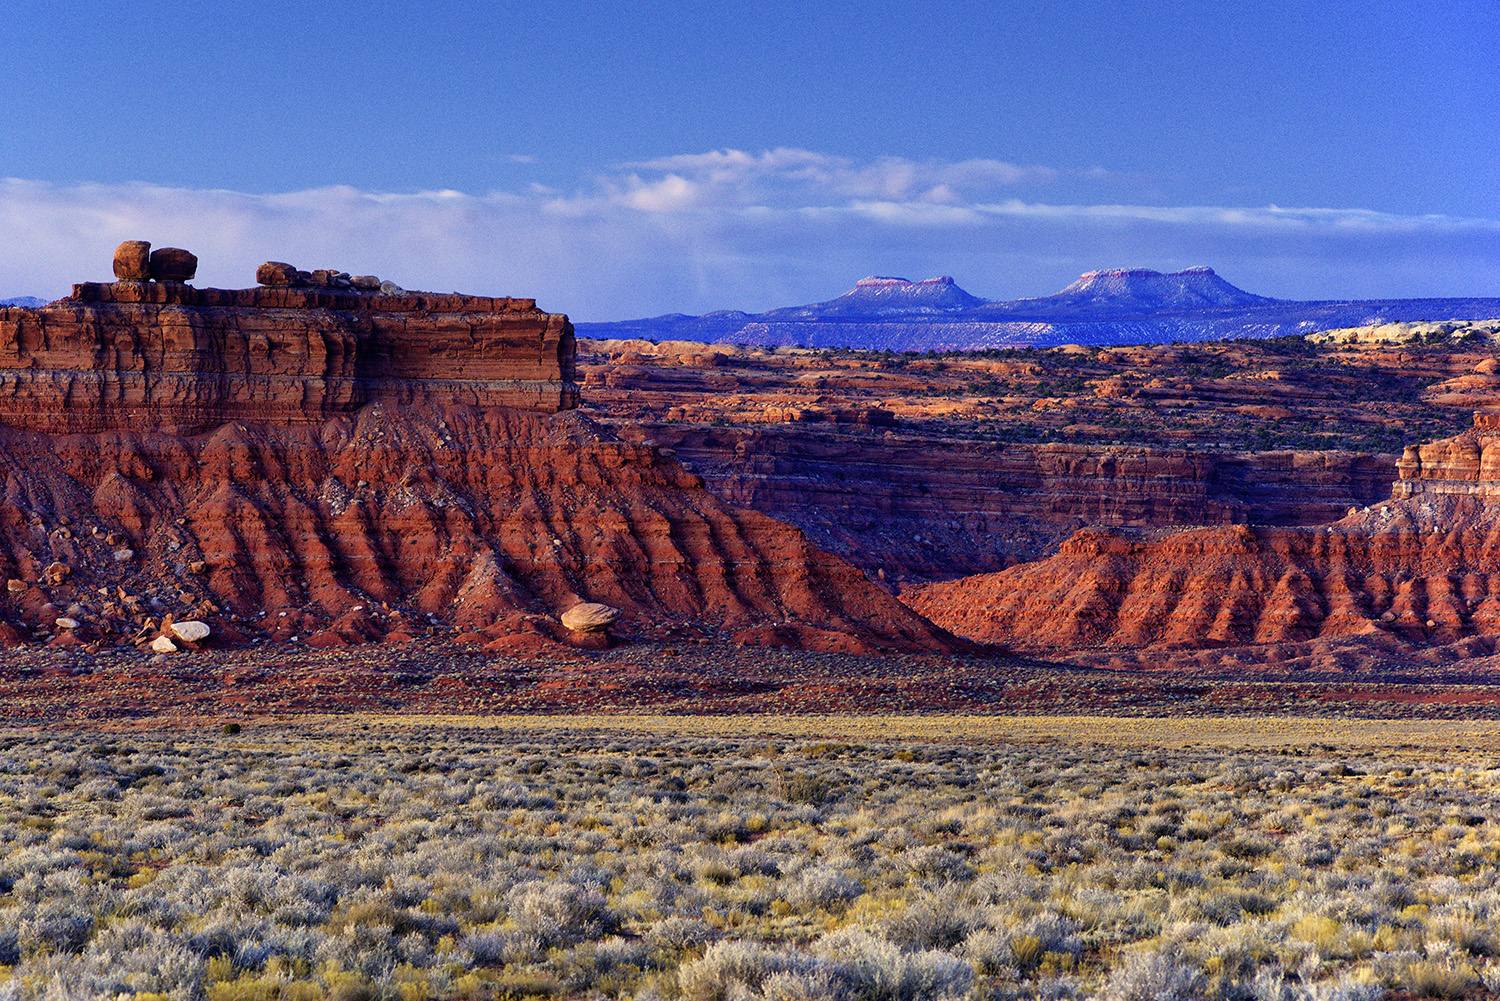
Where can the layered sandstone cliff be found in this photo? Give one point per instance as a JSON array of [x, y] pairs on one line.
[[1423, 568], [922, 508], [1467, 465], [135, 354]]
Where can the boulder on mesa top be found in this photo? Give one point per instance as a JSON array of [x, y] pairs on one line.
[[590, 617], [173, 264], [276, 273], [367, 283], [133, 261]]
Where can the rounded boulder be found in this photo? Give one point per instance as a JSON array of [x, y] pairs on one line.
[[590, 617], [191, 630], [133, 261], [173, 264], [276, 273]]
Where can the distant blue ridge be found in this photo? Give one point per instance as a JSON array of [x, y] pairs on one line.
[[1120, 306]]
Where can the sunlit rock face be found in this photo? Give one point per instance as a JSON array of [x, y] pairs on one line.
[[167, 356]]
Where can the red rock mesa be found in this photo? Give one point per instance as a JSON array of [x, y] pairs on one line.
[[337, 460]]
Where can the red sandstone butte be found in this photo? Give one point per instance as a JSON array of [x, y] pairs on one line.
[[339, 467], [176, 358]]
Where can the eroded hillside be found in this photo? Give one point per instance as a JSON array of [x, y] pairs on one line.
[[926, 467]]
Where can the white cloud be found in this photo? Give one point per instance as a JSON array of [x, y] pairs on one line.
[[795, 177], [730, 229]]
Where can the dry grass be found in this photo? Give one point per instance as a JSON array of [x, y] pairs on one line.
[[898, 858], [1217, 733]]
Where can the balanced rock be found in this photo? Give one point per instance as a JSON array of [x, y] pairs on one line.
[[173, 264], [133, 261], [590, 617], [276, 273]]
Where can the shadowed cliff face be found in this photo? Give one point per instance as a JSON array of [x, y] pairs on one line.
[[386, 521], [1421, 571], [919, 508]]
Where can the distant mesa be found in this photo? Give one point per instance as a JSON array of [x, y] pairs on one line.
[[1137, 287], [1108, 307]]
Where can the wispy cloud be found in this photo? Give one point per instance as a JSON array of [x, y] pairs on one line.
[[730, 229], [787, 178]]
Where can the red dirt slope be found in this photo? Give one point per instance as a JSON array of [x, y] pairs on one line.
[[1425, 571], [389, 521]]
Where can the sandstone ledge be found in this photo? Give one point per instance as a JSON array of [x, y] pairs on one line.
[[168, 356], [1467, 464]]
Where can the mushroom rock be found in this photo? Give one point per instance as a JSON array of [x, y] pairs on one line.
[[173, 264], [133, 261]]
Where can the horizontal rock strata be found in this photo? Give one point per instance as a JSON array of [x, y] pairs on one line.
[[925, 508], [1423, 567], [134, 354], [1465, 465]]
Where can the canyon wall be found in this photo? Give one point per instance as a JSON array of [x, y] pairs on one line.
[[924, 508], [334, 460], [1466, 465], [136, 354]]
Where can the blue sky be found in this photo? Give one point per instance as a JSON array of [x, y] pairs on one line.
[[621, 160]]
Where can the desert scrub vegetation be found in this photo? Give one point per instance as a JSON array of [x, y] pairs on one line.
[[450, 863]]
